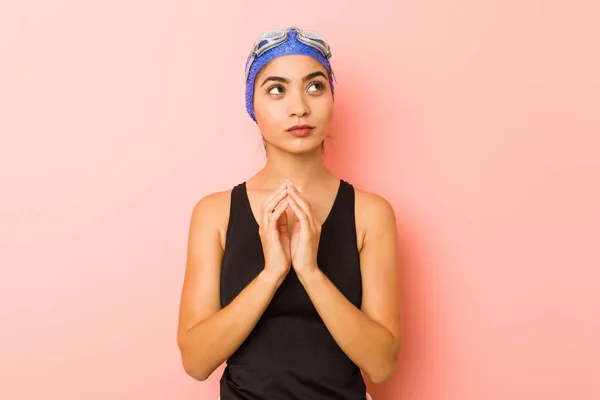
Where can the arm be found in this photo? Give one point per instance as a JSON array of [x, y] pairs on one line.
[[208, 335], [371, 337]]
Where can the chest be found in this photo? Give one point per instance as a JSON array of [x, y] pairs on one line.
[[337, 257]]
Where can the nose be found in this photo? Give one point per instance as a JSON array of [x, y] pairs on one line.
[[297, 105]]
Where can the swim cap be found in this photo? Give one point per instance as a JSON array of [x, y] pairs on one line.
[[292, 46]]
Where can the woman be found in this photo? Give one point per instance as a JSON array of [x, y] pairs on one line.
[[291, 275]]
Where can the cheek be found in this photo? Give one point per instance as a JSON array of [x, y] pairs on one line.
[[324, 108], [269, 111], [267, 117]]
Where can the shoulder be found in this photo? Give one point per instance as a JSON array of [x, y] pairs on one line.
[[371, 205], [211, 212], [216, 202], [374, 213]]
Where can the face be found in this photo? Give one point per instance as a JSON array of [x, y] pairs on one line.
[[291, 91]]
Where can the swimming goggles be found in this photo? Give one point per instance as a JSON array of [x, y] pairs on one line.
[[274, 38]]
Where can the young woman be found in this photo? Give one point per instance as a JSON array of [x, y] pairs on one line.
[[291, 275]]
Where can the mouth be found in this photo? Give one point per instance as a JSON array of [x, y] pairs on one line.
[[300, 130]]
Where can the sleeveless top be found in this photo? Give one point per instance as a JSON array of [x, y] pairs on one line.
[[290, 354]]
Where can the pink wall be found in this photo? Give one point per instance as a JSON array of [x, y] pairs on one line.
[[479, 120]]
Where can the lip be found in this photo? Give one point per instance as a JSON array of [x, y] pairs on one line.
[[301, 130]]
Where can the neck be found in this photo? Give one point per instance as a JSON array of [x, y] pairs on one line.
[[303, 170]]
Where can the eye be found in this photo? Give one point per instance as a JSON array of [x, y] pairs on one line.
[[275, 89], [316, 86]]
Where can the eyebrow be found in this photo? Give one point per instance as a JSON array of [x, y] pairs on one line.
[[310, 76]]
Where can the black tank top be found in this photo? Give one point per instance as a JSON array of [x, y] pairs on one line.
[[290, 354]]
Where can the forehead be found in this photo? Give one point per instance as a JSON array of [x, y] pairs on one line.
[[292, 67]]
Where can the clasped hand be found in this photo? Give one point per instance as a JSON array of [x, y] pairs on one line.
[[280, 249]]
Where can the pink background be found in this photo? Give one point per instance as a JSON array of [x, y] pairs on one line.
[[478, 119]]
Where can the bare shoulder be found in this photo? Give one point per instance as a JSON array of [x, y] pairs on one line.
[[373, 204], [375, 215], [212, 212], [216, 202]]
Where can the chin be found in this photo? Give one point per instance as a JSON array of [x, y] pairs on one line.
[[296, 145], [300, 145]]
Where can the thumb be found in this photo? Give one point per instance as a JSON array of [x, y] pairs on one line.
[[296, 223], [282, 221]]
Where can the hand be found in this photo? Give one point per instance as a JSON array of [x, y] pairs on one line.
[[274, 234], [306, 235]]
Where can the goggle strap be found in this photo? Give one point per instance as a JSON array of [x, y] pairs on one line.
[[276, 37]]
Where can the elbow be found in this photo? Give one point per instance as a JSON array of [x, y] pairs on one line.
[[192, 364], [382, 375], [197, 375], [387, 368], [194, 368]]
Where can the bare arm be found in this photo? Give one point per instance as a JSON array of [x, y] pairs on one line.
[[207, 334], [371, 337]]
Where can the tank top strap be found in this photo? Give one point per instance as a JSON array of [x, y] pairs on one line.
[[240, 213], [342, 212]]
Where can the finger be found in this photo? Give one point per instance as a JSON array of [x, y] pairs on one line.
[[273, 219], [300, 214], [273, 195], [302, 203], [282, 221], [270, 206]]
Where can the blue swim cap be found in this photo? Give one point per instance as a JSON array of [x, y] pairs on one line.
[[291, 46]]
